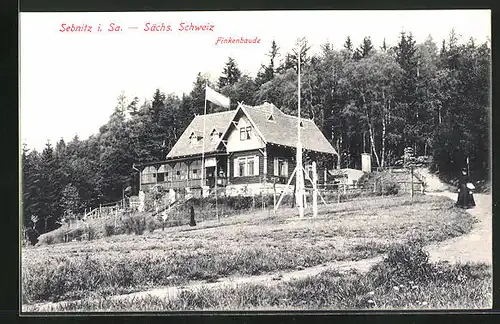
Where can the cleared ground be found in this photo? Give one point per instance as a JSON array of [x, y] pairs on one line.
[[239, 246]]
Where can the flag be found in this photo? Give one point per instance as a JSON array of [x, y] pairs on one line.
[[216, 98]]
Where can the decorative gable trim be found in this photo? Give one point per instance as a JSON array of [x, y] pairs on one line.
[[233, 122]]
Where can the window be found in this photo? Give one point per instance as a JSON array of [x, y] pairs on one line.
[[161, 177], [250, 165], [280, 167], [178, 173], [309, 169], [242, 167], [214, 136], [194, 139], [246, 166], [245, 133], [149, 175], [270, 118]]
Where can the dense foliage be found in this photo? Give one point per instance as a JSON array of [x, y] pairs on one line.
[[372, 99]]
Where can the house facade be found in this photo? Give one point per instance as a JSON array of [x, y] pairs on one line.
[[246, 151]]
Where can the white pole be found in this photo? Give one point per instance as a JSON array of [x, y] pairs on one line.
[[203, 144], [216, 207], [315, 190], [299, 179]]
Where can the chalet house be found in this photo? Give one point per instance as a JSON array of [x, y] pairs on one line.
[[245, 150]]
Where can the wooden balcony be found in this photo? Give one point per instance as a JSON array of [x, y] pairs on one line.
[[185, 183]]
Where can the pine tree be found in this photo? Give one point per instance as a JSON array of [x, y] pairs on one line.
[[132, 107], [267, 72], [365, 49], [230, 74], [348, 45], [50, 187], [384, 46], [291, 59], [70, 201]]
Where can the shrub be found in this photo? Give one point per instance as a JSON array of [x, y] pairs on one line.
[[135, 223], [91, 233], [404, 263], [390, 188], [152, 223], [109, 229], [47, 239]]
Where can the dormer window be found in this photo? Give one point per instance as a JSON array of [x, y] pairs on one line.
[[214, 136], [194, 139], [245, 133]]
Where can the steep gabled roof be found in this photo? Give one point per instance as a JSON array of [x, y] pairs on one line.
[[283, 129], [183, 146]]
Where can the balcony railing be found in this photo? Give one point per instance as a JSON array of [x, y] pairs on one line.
[[185, 183]]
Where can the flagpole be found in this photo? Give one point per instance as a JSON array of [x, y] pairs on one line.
[[203, 144], [299, 178]]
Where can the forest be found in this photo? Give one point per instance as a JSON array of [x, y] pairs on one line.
[[373, 98]]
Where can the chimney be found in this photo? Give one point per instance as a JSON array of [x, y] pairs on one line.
[[366, 162]]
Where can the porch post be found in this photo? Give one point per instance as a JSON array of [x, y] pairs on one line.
[[228, 172], [265, 161]]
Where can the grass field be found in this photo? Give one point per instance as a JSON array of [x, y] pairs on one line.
[[243, 245], [462, 286]]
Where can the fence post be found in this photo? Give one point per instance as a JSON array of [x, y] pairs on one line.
[[274, 198], [411, 189]]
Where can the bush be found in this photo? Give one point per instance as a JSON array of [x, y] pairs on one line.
[[47, 239], [135, 223], [109, 229], [152, 223], [91, 233], [404, 263], [390, 188]]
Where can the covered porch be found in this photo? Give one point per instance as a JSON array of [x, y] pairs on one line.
[[184, 172]]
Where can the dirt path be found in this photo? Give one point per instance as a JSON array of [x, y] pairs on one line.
[[267, 279], [476, 246]]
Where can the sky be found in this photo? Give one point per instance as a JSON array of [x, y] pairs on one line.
[[70, 81]]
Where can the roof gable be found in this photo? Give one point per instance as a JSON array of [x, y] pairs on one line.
[[218, 121], [283, 129], [280, 130]]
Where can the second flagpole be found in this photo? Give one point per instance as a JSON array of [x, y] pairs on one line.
[[203, 144]]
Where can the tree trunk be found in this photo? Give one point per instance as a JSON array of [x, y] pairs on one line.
[[364, 144], [372, 141], [370, 130], [338, 153], [383, 140]]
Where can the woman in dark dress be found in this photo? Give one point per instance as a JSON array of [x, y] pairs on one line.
[[465, 197], [192, 221]]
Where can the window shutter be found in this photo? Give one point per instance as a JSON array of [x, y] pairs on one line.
[[276, 166], [256, 165], [236, 167]]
